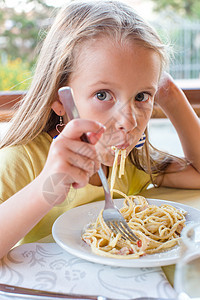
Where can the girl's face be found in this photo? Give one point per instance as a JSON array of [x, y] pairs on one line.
[[115, 85]]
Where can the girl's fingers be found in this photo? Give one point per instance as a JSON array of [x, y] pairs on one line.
[[82, 162], [73, 157], [77, 177], [76, 153], [95, 136], [79, 147], [75, 128]]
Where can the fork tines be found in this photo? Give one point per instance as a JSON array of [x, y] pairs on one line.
[[120, 227]]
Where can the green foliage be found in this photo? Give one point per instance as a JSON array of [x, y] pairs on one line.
[[185, 8], [15, 75], [21, 28]]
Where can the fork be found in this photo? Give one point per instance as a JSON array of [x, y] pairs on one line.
[[111, 215], [27, 293]]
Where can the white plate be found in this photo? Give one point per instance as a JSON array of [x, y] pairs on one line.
[[68, 228]]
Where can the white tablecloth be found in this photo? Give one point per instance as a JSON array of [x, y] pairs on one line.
[[48, 267]]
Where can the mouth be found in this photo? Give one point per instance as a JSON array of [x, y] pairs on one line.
[[122, 146]]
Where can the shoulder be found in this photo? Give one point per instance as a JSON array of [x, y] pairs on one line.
[[27, 152], [14, 171], [12, 154], [37, 151], [21, 164]]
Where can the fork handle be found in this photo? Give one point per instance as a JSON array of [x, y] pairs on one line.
[[109, 203], [66, 97], [27, 293]]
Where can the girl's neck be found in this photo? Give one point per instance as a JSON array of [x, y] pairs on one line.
[[52, 133]]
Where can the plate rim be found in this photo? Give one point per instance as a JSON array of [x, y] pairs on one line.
[[91, 257]]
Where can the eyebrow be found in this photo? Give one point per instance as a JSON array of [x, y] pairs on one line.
[[101, 82], [152, 87]]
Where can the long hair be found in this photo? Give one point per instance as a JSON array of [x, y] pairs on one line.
[[76, 23]]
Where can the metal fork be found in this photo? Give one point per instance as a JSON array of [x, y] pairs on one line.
[[27, 293], [111, 215]]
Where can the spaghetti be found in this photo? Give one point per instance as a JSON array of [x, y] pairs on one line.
[[118, 152], [157, 227]]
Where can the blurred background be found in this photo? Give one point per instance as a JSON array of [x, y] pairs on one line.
[[23, 26], [24, 23]]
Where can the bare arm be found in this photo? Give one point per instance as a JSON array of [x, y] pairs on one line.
[[177, 108], [21, 212]]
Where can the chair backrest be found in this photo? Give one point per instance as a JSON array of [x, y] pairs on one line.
[[8, 99]]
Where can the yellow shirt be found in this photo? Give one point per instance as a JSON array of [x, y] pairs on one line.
[[23, 163]]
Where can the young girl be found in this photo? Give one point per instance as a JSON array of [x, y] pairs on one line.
[[114, 62]]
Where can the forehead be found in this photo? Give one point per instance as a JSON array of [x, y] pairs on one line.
[[106, 57]]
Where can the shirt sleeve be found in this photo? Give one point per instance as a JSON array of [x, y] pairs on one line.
[[16, 171]]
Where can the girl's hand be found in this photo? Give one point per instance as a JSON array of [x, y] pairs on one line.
[[166, 91], [177, 108], [70, 160]]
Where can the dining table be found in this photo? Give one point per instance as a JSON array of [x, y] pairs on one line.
[[184, 196], [44, 265]]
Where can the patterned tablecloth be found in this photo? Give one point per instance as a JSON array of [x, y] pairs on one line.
[[48, 267]]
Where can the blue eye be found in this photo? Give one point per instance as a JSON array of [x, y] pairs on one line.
[[142, 97], [103, 96]]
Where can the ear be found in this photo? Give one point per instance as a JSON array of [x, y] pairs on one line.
[[58, 108]]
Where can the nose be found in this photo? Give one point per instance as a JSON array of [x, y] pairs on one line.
[[126, 118]]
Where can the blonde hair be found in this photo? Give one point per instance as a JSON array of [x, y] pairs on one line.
[[78, 22], [74, 25]]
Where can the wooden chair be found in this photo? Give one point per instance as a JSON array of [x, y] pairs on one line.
[[8, 99]]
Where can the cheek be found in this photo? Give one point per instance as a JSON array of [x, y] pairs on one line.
[[143, 112], [91, 112], [144, 107], [84, 109]]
